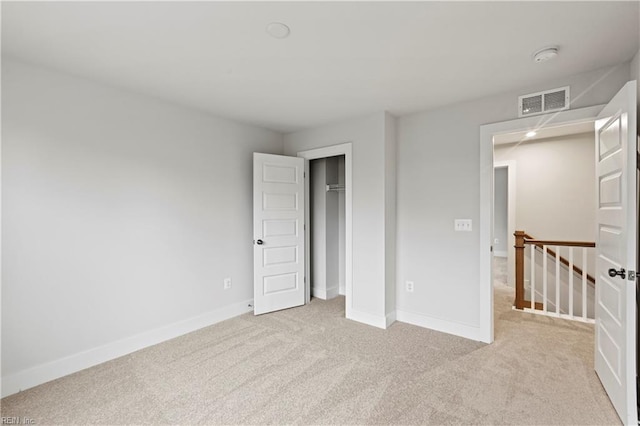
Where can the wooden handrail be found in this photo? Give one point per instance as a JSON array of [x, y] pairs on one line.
[[559, 243], [528, 239], [522, 238]]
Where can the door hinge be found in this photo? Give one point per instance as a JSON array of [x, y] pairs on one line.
[[631, 275]]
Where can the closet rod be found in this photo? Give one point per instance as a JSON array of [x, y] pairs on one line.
[[335, 187]]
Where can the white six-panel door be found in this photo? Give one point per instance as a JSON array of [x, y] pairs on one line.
[[615, 328], [278, 232]]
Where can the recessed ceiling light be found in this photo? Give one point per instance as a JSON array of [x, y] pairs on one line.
[[278, 30], [531, 134], [545, 54]]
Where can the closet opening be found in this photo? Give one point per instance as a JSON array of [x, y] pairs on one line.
[[327, 208]]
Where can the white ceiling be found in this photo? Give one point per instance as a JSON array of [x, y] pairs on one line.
[[341, 60]]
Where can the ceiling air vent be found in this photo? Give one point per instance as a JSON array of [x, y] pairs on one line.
[[542, 102]]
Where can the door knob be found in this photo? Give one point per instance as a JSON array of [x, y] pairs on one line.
[[622, 273], [259, 242]]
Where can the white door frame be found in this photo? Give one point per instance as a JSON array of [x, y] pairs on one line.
[[487, 132], [324, 152], [510, 165]]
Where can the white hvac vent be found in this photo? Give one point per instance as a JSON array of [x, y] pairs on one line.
[[542, 102]]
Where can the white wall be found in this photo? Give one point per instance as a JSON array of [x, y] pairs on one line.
[[325, 229], [556, 186], [341, 228], [390, 170], [438, 181], [500, 212], [122, 215], [634, 72], [368, 136], [318, 214], [333, 223]]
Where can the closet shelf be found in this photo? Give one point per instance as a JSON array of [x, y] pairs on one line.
[[335, 187]]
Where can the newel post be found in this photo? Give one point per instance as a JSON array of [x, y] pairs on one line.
[[520, 237]]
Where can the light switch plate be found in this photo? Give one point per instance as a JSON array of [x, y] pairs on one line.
[[462, 225]]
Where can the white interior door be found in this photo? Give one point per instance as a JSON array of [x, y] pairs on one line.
[[278, 232], [615, 328]]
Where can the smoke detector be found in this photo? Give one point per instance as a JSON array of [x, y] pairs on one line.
[[278, 30], [543, 55]]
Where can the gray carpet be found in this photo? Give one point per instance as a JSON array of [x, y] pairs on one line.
[[309, 365]]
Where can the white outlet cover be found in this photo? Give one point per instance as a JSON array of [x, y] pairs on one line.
[[409, 286]]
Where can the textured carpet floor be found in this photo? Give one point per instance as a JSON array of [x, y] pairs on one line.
[[309, 365]]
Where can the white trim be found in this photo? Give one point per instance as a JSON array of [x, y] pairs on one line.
[[500, 253], [332, 151], [391, 318], [487, 132], [510, 254], [307, 232], [325, 294], [43, 373], [369, 319], [437, 324], [332, 292]]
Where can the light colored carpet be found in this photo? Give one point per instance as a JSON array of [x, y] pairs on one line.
[[309, 365], [500, 271]]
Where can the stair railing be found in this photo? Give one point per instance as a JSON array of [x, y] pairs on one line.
[[550, 252]]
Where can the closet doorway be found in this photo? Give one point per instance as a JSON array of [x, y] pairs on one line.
[[327, 220], [345, 168]]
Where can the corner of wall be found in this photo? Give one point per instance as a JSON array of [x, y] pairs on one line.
[[390, 161]]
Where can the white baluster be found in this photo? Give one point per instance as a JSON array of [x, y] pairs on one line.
[[571, 282], [558, 280], [584, 283], [532, 284], [544, 278]]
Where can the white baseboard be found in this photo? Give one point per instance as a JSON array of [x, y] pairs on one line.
[[318, 292], [498, 253], [332, 292], [391, 318], [367, 318], [450, 327], [324, 294], [43, 373]]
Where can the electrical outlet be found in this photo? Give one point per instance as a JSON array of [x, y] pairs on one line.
[[462, 225], [409, 286], [227, 283]]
